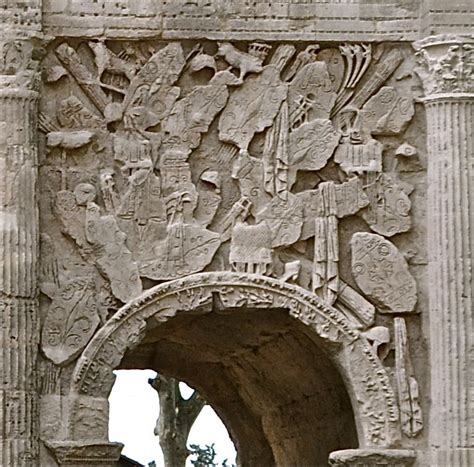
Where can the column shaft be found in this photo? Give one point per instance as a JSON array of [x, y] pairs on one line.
[[450, 243], [19, 330]]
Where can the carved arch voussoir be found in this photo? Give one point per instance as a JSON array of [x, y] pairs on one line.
[[366, 380]]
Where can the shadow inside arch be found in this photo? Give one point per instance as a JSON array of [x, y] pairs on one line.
[[276, 363], [278, 393]]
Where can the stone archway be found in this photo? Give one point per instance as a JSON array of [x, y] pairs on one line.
[[365, 379], [88, 131]]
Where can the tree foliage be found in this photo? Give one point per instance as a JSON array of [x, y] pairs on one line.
[[205, 456]]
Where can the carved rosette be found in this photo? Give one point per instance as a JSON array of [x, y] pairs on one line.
[[447, 72]]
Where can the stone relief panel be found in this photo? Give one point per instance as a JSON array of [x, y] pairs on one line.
[[376, 405], [165, 159]]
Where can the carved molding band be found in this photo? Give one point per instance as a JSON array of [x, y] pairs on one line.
[[85, 454], [373, 457], [93, 377]]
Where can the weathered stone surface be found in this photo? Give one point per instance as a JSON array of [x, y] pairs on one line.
[[232, 179], [85, 453], [249, 173], [447, 76], [187, 249], [389, 207], [250, 62], [358, 157], [445, 64], [263, 297], [250, 249], [369, 457], [113, 258], [349, 198], [151, 94], [311, 94], [193, 114], [284, 220], [19, 252], [71, 321], [387, 113], [312, 144], [408, 391], [252, 107], [382, 273]]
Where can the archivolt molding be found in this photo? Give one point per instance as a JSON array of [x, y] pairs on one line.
[[162, 155], [247, 173], [366, 379]]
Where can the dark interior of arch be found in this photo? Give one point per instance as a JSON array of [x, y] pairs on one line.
[[264, 373]]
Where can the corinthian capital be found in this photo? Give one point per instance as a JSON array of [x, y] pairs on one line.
[[445, 64], [19, 63]]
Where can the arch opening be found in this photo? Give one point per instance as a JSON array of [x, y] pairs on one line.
[[135, 415], [296, 380], [280, 396]]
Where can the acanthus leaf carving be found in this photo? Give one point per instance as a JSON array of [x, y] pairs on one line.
[[445, 64]]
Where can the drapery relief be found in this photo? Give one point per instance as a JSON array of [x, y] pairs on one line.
[[162, 160]]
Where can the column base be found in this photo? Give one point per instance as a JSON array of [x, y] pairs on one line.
[[85, 453], [373, 457]]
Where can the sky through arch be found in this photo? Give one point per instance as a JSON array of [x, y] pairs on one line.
[[134, 408]]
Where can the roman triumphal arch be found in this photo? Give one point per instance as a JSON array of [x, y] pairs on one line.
[[271, 201]]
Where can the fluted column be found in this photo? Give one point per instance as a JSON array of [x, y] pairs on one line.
[[447, 72], [19, 329]]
